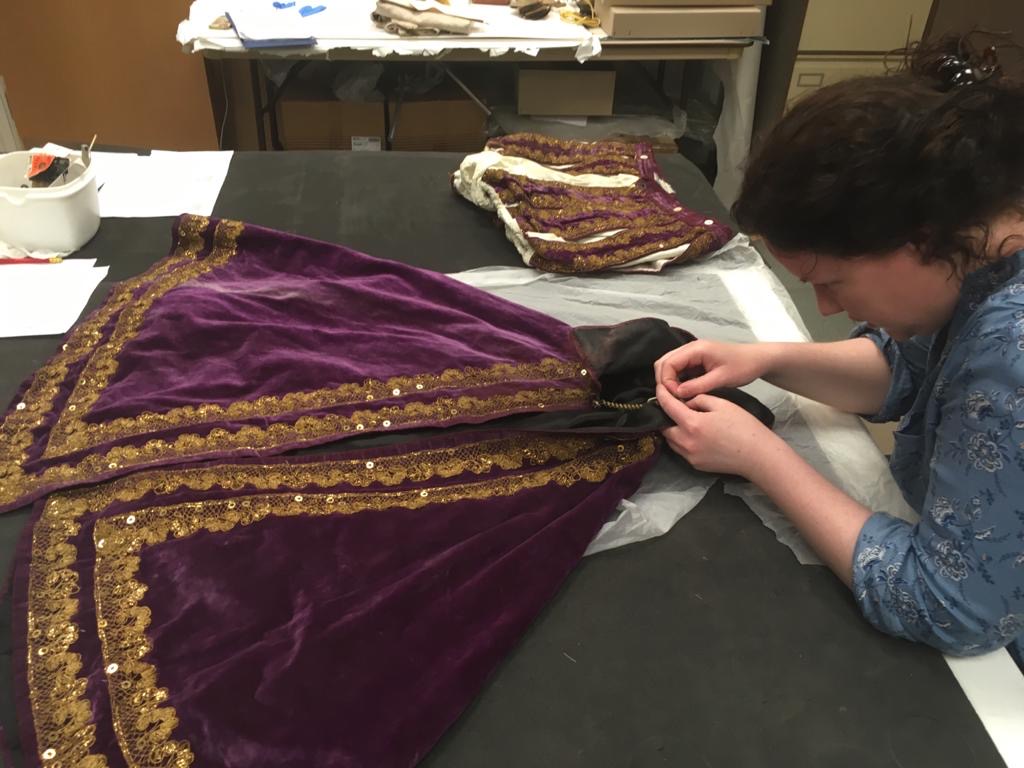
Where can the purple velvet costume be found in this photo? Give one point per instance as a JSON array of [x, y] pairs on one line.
[[186, 596]]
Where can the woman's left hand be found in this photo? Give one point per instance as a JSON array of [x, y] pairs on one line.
[[715, 435]]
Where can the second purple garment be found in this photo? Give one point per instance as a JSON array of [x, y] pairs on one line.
[[585, 206]]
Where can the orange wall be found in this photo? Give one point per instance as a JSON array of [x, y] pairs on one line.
[[111, 67]]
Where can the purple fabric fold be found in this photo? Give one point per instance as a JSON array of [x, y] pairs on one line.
[[246, 341], [335, 610]]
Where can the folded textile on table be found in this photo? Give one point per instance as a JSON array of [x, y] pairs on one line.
[[417, 17], [335, 610], [585, 206]]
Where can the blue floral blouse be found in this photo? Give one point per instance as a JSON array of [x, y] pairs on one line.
[[955, 580]]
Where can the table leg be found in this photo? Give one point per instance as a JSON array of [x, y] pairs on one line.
[[736, 123], [273, 93], [257, 99]]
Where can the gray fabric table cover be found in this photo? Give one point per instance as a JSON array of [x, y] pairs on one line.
[[710, 646]]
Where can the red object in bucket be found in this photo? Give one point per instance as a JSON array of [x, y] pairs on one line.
[[45, 168], [39, 163]]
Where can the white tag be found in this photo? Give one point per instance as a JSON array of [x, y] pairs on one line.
[[366, 143]]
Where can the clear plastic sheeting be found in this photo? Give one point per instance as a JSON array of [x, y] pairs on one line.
[[736, 123], [728, 296]]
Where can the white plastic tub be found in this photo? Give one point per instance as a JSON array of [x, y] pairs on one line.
[[61, 218]]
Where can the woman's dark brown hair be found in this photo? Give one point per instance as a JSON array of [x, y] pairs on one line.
[[927, 156]]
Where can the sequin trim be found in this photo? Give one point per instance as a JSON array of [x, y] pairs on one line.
[[626, 249], [588, 210], [61, 713], [80, 435], [550, 151], [304, 430], [143, 722]]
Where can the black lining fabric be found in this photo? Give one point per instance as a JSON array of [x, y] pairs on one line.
[[621, 357]]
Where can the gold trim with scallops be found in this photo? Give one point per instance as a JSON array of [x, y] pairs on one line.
[[144, 724]]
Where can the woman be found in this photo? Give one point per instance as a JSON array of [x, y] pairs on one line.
[[900, 199]]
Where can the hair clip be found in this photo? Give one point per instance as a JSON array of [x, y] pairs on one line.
[[957, 70]]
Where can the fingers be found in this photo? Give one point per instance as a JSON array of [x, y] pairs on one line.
[[668, 367], [674, 408], [705, 403], [674, 437], [699, 385], [687, 436]]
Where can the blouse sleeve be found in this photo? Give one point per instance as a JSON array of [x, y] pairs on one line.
[[955, 580], [907, 361]]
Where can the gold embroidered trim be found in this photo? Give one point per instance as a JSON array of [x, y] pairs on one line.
[[604, 208], [669, 236], [628, 208], [563, 199], [61, 713], [571, 152], [69, 434], [142, 720], [303, 431], [700, 242], [80, 435], [594, 223], [17, 428]]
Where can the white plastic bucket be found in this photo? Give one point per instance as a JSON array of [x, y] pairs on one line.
[[61, 218]]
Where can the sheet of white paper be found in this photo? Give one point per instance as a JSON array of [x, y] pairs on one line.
[[163, 184], [70, 264], [995, 688], [199, 177], [266, 20], [45, 299]]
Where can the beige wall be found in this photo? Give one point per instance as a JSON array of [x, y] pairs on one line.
[[959, 16], [113, 68], [862, 26]]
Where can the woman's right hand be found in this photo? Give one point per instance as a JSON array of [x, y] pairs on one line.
[[708, 365]]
